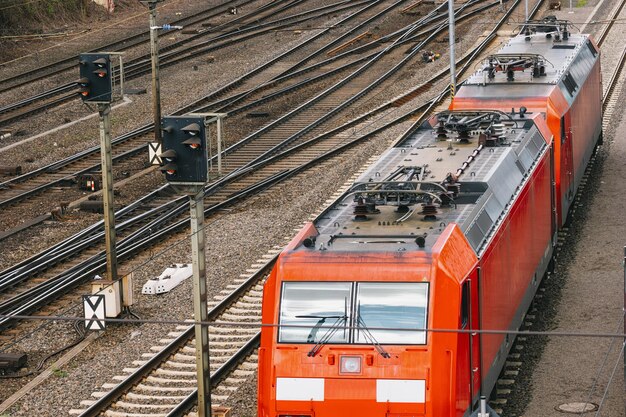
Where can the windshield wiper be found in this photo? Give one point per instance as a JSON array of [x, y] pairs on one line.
[[327, 336], [340, 322], [322, 319], [360, 324]]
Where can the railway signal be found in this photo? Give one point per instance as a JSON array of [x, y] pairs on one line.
[[185, 152], [95, 83], [185, 163]]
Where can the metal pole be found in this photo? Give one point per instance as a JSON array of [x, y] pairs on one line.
[[107, 189], [452, 40], [526, 14], [122, 77], [156, 90], [210, 143], [219, 145], [624, 318], [196, 205]]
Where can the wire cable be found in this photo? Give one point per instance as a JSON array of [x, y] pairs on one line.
[[235, 324], [596, 379], [606, 390]]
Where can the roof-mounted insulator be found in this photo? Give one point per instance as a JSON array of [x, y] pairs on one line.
[[442, 133], [463, 132], [429, 210], [510, 75], [360, 211]]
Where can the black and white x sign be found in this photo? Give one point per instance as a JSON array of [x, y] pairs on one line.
[[95, 311], [154, 150]]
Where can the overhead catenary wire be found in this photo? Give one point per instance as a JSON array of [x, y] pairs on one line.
[[236, 324]]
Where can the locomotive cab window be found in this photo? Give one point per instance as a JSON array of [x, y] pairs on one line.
[[314, 307], [347, 312], [397, 305]]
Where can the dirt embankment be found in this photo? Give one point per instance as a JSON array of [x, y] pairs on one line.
[[33, 24]]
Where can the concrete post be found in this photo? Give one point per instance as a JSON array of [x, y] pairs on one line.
[[156, 89], [203, 371], [107, 189]]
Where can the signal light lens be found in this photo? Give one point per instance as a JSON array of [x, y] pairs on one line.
[[349, 364], [193, 142], [169, 168], [192, 129]]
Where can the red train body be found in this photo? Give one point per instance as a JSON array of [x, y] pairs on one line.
[[451, 229]]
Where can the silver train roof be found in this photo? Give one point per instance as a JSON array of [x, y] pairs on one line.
[[542, 59], [460, 167]]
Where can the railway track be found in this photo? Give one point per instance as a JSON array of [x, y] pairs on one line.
[[286, 142], [10, 279]]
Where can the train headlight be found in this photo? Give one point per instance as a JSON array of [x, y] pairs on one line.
[[349, 364]]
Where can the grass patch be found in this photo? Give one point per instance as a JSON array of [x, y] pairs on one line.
[[59, 373]]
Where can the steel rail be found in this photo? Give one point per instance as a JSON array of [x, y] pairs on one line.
[[74, 245], [487, 6], [614, 79], [605, 32], [320, 51], [141, 65], [479, 9], [25, 102], [301, 108], [152, 233], [173, 57], [40, 188], [221, 373]]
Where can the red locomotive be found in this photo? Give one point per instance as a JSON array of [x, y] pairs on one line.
[[451, 229]]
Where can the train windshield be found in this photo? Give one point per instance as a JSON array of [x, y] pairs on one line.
[[316, 306], [399, 306], [351, 312]]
